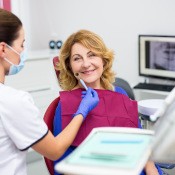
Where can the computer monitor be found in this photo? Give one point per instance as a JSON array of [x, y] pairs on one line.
[[157, 56]]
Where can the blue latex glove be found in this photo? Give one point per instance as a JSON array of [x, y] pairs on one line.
[[88, 103]]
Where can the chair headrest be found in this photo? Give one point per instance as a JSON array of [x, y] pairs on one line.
[[55, 62]]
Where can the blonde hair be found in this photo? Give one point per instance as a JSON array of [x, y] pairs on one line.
[[93, 42]]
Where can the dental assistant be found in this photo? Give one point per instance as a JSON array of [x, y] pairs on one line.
[[21, 127]]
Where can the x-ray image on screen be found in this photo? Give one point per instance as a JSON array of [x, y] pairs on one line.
[[161, 55], [157, 56]]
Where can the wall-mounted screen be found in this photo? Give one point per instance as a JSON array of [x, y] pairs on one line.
[[157, 56]]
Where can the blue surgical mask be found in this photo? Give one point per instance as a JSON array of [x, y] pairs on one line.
[[14, 69]]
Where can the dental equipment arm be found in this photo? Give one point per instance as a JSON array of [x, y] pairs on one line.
[[164, 140], [167, 102]]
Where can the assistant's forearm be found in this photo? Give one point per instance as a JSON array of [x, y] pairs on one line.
[[54, 147], [67, 136]]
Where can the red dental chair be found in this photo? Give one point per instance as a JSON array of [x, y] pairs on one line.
[[50, 113]]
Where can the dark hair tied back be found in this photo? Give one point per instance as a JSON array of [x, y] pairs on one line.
[[10, 25]]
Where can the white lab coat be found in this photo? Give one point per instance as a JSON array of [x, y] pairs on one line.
[[20, 127]]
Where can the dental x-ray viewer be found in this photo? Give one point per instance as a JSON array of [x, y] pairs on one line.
[[20, 124]]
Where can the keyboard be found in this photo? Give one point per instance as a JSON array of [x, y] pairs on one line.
[[156, 87]]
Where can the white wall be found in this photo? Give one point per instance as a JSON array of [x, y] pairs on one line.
[[118, 22]]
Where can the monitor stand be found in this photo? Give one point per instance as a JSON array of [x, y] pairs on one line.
[[146, 80], [160, 81]]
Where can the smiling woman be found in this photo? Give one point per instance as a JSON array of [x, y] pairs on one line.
[[85, 54], [87, 64]]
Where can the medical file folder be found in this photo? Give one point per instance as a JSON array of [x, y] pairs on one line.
[[110, 150]]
